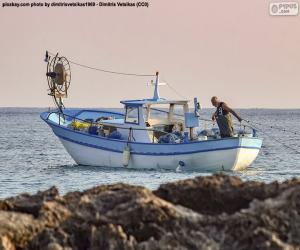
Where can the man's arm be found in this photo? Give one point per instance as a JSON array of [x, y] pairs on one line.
[[227, 108], [214, 116]]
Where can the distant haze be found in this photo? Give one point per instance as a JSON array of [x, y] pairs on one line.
[[233, 49]]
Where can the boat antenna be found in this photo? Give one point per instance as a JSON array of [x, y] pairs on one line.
[[156, 83]]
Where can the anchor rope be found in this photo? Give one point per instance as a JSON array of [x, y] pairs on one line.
[[106, 71]]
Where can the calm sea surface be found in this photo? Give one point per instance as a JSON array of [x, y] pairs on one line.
[[32, 158]]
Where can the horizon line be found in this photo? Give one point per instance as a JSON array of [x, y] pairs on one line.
[[44, 107]]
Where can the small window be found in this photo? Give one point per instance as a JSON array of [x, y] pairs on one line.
[[132, 115]]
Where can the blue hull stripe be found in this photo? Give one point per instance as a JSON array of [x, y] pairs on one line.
[[157, 154]]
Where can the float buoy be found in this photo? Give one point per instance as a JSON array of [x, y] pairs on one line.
[[126, 156]]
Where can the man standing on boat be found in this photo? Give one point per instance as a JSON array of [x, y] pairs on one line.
[[223, 117]]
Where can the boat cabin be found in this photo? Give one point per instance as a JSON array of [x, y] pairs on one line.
[[156, 123], [147, 122]]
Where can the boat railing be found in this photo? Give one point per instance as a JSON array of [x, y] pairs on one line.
[[62, 117], [242, 126]]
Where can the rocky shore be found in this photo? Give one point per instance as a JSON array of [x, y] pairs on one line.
[[215, 212]]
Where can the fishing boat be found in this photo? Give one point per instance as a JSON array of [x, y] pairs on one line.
[[150, 133]]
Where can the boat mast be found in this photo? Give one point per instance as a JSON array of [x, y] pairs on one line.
[[156, 93]]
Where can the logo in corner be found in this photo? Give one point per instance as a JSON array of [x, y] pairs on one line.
[[284, 9]]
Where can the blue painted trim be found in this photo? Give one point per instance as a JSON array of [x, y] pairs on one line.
[[153, 154], [95, 110], [133, 105], [141, 102]]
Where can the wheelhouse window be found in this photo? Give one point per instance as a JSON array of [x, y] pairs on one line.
[[132, 115]]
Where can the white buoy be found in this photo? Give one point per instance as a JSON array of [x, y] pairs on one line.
[[126, 156]]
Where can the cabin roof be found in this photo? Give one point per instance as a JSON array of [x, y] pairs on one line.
[[141, 102]]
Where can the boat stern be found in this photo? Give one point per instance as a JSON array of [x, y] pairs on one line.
[[247, 152]]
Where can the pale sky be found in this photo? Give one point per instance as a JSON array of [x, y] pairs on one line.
[[233, 49]]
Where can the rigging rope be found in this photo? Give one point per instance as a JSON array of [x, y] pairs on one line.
[[175, 91], [172, 88], [120, 73], [273, 127], [106, 71], [273, 138]]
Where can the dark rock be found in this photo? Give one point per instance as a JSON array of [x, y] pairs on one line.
[[219, 193], [27, 203], [111, 237], [270, 224], [216, 212]]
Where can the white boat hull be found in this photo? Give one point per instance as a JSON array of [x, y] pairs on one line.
[[229, 159], [235, 153]]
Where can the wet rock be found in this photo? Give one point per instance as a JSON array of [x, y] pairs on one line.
[[215, 212]]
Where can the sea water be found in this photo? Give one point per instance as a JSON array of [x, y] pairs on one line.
[[32, 158]]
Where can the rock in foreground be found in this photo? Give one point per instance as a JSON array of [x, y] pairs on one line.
[[216, 212]]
